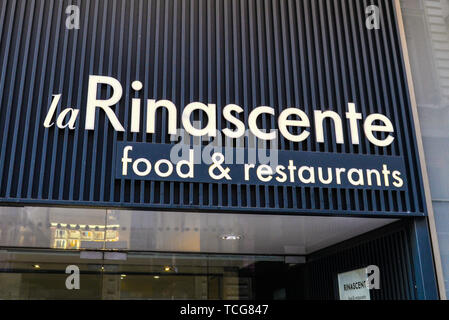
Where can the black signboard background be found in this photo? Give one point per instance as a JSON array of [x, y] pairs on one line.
[[306, 53]]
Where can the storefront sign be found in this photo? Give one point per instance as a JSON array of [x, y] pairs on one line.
[[373, 124], [275, 121], [352, 285], [146, 161]]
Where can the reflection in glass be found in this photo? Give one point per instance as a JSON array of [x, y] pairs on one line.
[[40, 274]]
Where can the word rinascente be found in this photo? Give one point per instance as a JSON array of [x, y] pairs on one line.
[[288, 118]]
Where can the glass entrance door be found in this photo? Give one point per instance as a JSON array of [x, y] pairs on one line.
[[41, 274]]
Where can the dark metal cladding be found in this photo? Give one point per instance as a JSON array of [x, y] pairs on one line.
[[397, 280], [290, 53]]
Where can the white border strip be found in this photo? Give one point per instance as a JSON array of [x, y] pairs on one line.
[[431, 218]]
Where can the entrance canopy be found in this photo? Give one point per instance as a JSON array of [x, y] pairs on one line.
[[97, 229]]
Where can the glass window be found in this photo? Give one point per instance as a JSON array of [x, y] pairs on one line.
[[41, 274]]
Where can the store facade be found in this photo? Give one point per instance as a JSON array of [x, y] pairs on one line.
[[210, 150]]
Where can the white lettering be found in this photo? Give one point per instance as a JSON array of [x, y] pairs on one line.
[[93, 103]]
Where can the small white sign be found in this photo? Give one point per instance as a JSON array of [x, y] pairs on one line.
[[352, 285]]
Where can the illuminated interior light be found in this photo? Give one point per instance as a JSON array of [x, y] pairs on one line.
[[231, 237]]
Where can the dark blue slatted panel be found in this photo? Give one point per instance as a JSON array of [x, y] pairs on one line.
[[303, 53], [388, 249]]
